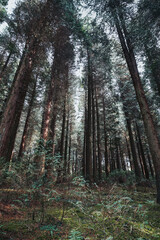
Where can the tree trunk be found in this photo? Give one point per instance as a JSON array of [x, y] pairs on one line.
[[5, 65], [59, 176], [89, 173], [70, 148], [98, 141], [112, 160], [117, 156], [150, 164], [129, 155], [73, 164], [66, 149], [151, 133], [10, 121], [13, 83], [106, 141], [142, 153], [133, 149], [25, 131], [76, 162], [155, 69], [122, 157], [84, 141], [94, 135], [59, 84], [139, 155]]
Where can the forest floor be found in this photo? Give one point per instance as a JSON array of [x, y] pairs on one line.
[[76, 212]]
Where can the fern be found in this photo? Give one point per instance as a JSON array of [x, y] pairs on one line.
[[75, 235]]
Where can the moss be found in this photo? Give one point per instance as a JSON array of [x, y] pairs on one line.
[[16, 226], [119, 214], [153, 216], [54, 212]]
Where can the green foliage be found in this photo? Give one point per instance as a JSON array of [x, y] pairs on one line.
[[4, 2], [3, 13], [127, 177], [109, 238], [50, 228], [97, 214], [79, 181], [75, 235]]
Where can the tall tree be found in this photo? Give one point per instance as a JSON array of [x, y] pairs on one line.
[[25, 131], [89, 170], [128, 50], [11, 116]]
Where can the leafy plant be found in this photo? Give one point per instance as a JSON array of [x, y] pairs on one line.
[[50, 228], [79, 180], [75, 235]]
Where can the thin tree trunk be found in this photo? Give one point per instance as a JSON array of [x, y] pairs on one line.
[[155, 70], [142, 153], [66, 148], [59, 176], [89, 173], [73, 164], [25, 131], [5, 65], [94, 135], [112, 160], [122, 157], [139, 155], [98, 141], [70, 149], [133, 149], [150, 164], [117, 156], [129, 155], [84, 141], [76, 162], [106, 141]]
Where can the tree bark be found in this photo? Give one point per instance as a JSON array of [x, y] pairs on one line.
[[85, 133], [66, 148], [70, 149], [5, 65], [112, 160], [150, 165], [98, 140], [94, 135], [139, 155], [10, 121], [129, 155], [76, 162], [133, 149], [151, 133], [122, 157], [119, 165], [105, 140], [142, 153], [89, 173], [154, 69], [59, 176], [25, 131]]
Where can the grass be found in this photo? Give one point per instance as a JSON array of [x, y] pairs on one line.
[[106, 212]]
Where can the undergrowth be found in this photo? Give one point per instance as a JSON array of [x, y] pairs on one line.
[[33, 208], [75, 210]]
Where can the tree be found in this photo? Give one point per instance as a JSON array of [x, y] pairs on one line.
[[118, 17], [35, 32], [3, 13]]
